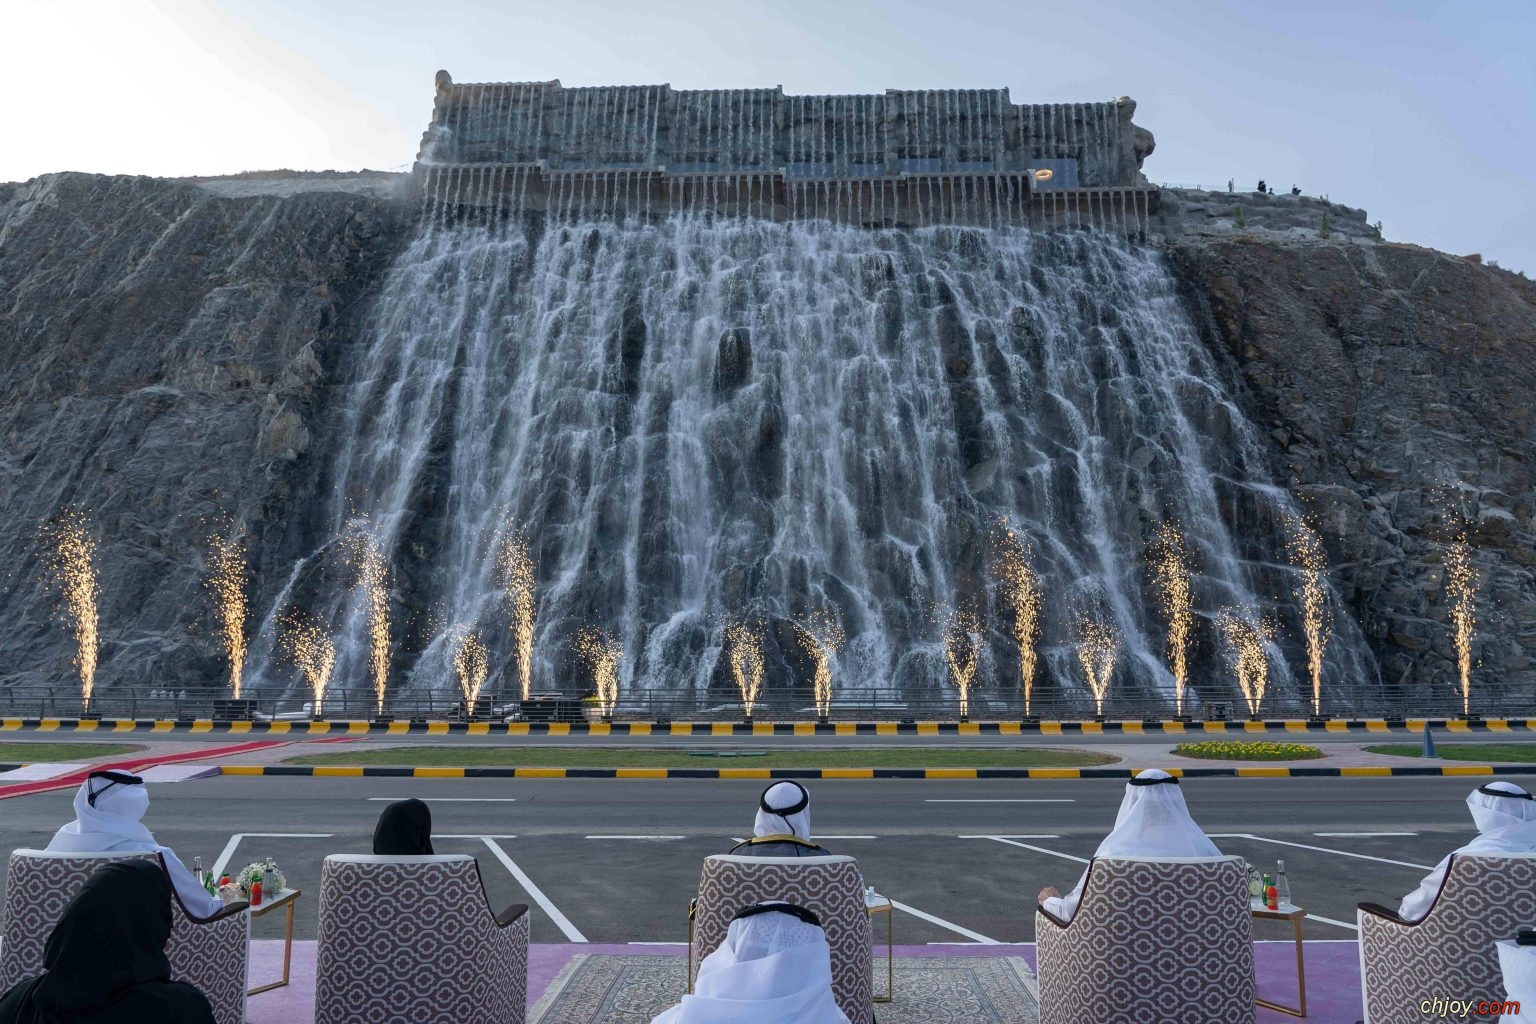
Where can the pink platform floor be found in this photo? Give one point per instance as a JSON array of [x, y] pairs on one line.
[[1333, 975]]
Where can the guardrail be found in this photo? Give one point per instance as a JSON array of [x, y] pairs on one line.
[[718, 706]]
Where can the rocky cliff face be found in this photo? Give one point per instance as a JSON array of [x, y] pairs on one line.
[[1397, 384], [165, 352], [169, 352]]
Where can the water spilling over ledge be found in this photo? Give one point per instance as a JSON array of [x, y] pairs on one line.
[[898, 159]]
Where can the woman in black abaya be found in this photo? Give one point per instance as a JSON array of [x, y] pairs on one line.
[[404, 830], [105, 961]]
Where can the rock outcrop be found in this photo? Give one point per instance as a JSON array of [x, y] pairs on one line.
[[1396, 384], [165, 357]]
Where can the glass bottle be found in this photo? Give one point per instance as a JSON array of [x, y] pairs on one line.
[[1281, 884]]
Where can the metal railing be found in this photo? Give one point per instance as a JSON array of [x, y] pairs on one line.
[[886, 705]]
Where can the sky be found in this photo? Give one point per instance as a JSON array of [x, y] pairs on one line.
[[1421, 111]]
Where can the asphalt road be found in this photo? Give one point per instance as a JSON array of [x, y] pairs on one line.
[[616, 861]]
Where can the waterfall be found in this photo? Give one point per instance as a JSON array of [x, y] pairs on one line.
[[701, 419]]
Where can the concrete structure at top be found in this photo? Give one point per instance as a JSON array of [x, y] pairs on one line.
[[895, 158]]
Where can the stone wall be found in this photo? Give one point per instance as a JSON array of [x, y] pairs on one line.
[[1395, 383], [168, 357], [655, 126]]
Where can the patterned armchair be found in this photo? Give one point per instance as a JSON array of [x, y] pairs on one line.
[[411, 939], [828, 885], [1152, 940], [212, 954], [1484, 898]]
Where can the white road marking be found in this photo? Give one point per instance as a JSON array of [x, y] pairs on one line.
[[1037, 849], [1328, 920], [1319, 849], [234, 841], [662, 838], [950, 925], [1054, 800], [1360, 835], [561, 921], [1013, 835], [467, 835], [447, 799]]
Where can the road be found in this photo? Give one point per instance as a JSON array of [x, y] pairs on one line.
[[616, 861]]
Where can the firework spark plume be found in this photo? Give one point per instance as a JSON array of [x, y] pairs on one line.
[[744, 650], [1170, 572], [603, 654], [515, 576], [1019, 587], [1306, 551], [1461, 581], [1098, 647], [1247, 637], [312, 650], [226, 584], [471, 663], [962, 652], [371, 580], [821, 637], [72, 571]]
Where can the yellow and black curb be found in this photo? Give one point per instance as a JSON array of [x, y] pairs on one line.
[[684, 729], [1245, 772]]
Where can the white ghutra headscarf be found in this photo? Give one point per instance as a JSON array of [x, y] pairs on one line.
[[1505, 816], [785, 809], [774, 967], [108, 818], [1153, 822]]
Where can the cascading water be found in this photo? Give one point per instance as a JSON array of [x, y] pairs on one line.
[[700, 419]]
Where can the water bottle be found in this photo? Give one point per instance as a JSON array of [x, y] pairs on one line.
[[197, 870], [1281, 884]]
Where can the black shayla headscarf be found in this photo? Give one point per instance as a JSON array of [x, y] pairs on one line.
[[404, 830], [104, 962]]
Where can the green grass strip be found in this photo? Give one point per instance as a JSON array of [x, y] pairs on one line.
[[1500, 753], [37, 753], [609, 757], [1249, 750]]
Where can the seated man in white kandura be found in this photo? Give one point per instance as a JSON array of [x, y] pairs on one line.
[[1505, 816], [1153, 822], [774, 967], [108, 809], [783, 824]]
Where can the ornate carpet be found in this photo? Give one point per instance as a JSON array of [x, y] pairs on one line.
[[608, 989]]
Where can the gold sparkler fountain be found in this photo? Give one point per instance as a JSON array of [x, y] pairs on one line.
[[226, 585], [72, 571], [1171, 574], [1306, 551], [1461, 581], [1098, 646], [962, 652], [514, 573], [1247, 637], [1019, 587], [744, 649], [821, 637], [603, 654], [314, 652]]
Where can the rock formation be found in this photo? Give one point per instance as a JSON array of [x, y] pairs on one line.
[[168, 353]]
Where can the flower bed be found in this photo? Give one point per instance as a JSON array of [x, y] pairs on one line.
[[1248, 750]]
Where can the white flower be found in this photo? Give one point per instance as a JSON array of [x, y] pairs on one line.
[[272, 880]]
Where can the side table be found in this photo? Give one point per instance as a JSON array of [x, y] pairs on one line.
[[1294, 914], [284, 899], [877, 904]]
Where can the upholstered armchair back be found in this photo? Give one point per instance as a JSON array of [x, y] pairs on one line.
[[1484, 898], [1153, 939], [829, 885], [412, 939], [213, 955]]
